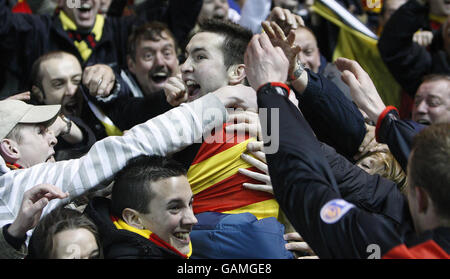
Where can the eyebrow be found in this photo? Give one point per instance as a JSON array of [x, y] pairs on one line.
[[197, 49], [179, 200]]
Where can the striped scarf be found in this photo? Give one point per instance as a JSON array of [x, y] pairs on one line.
[[85, 43], [13, 166], [121, 225]]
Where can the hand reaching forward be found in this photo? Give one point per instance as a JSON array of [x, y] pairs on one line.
[[99, 79], [264, 62], [362, 89], [33, 202]]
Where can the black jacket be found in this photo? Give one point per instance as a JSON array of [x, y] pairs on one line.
[[407, 61], [24, 37], [307, 191], [397, 134], [122, 244], [333, 117]]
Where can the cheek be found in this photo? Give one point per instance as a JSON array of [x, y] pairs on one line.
[[55, 97]]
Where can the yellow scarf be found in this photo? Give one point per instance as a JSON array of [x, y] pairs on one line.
[[82, 46], [121, 225]]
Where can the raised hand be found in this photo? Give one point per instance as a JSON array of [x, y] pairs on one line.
[[176, 91], [264, 62], [99, 79], [362, 89]]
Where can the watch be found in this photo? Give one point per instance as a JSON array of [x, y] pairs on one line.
[[298, 71], [68, 125]]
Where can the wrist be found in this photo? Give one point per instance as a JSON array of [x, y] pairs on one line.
[[281, 88], [296, 71], [67, 128], [15, 231]]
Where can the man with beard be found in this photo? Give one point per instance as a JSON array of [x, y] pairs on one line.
[[91, 37]]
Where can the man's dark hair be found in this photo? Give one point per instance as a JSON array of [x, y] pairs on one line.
[[132, 185], [429, 165], [152, 31], [435, 77], [236, 39]]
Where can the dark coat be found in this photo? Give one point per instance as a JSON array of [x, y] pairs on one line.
[[122, 244], [24, 37], [332, 226], [407, 61]]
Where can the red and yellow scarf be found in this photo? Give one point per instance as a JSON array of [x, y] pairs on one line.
[[121, 225]]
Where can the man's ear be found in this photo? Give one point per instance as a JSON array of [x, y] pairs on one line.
[[37, 94], [422, 199], [131, 217], [236, 74], [9, 151], [131, 64]]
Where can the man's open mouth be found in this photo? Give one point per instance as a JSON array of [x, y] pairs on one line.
[[71, 108], [182, 236], [159, 77], [85, 10], [424, 121], [193, 88]]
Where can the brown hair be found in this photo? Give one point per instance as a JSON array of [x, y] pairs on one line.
[[58, 220], [236, 39], [152, 31], [429, 163]]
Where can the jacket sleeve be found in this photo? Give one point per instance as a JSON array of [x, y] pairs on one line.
[[397, 134], [306, 190], [333, 117], [162, 135], [407, 61], [7, 251]]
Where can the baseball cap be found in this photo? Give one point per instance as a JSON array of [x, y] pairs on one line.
[[13, 112]]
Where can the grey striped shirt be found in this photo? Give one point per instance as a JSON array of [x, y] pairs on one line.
[[162, 135]]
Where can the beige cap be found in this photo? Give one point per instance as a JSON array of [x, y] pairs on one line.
[[13, 112]]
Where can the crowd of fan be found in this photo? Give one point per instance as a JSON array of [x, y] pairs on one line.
[[216, 129]]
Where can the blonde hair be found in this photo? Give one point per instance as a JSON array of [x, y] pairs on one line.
[[387, 167]]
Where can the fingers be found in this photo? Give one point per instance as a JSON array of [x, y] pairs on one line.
[[254, 146], [349, 78], [298, 246], [99, 79], [260, 155], [258, 187], [308, 258], [24, 96], [176, 91], [256, 163], [293, 236], [48, 191], [278, 31], [255, 175]]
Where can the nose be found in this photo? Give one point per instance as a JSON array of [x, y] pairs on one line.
[[186, 67], [159, 59], [52, 140], [422, 107], [71, 89], [189, 218]]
